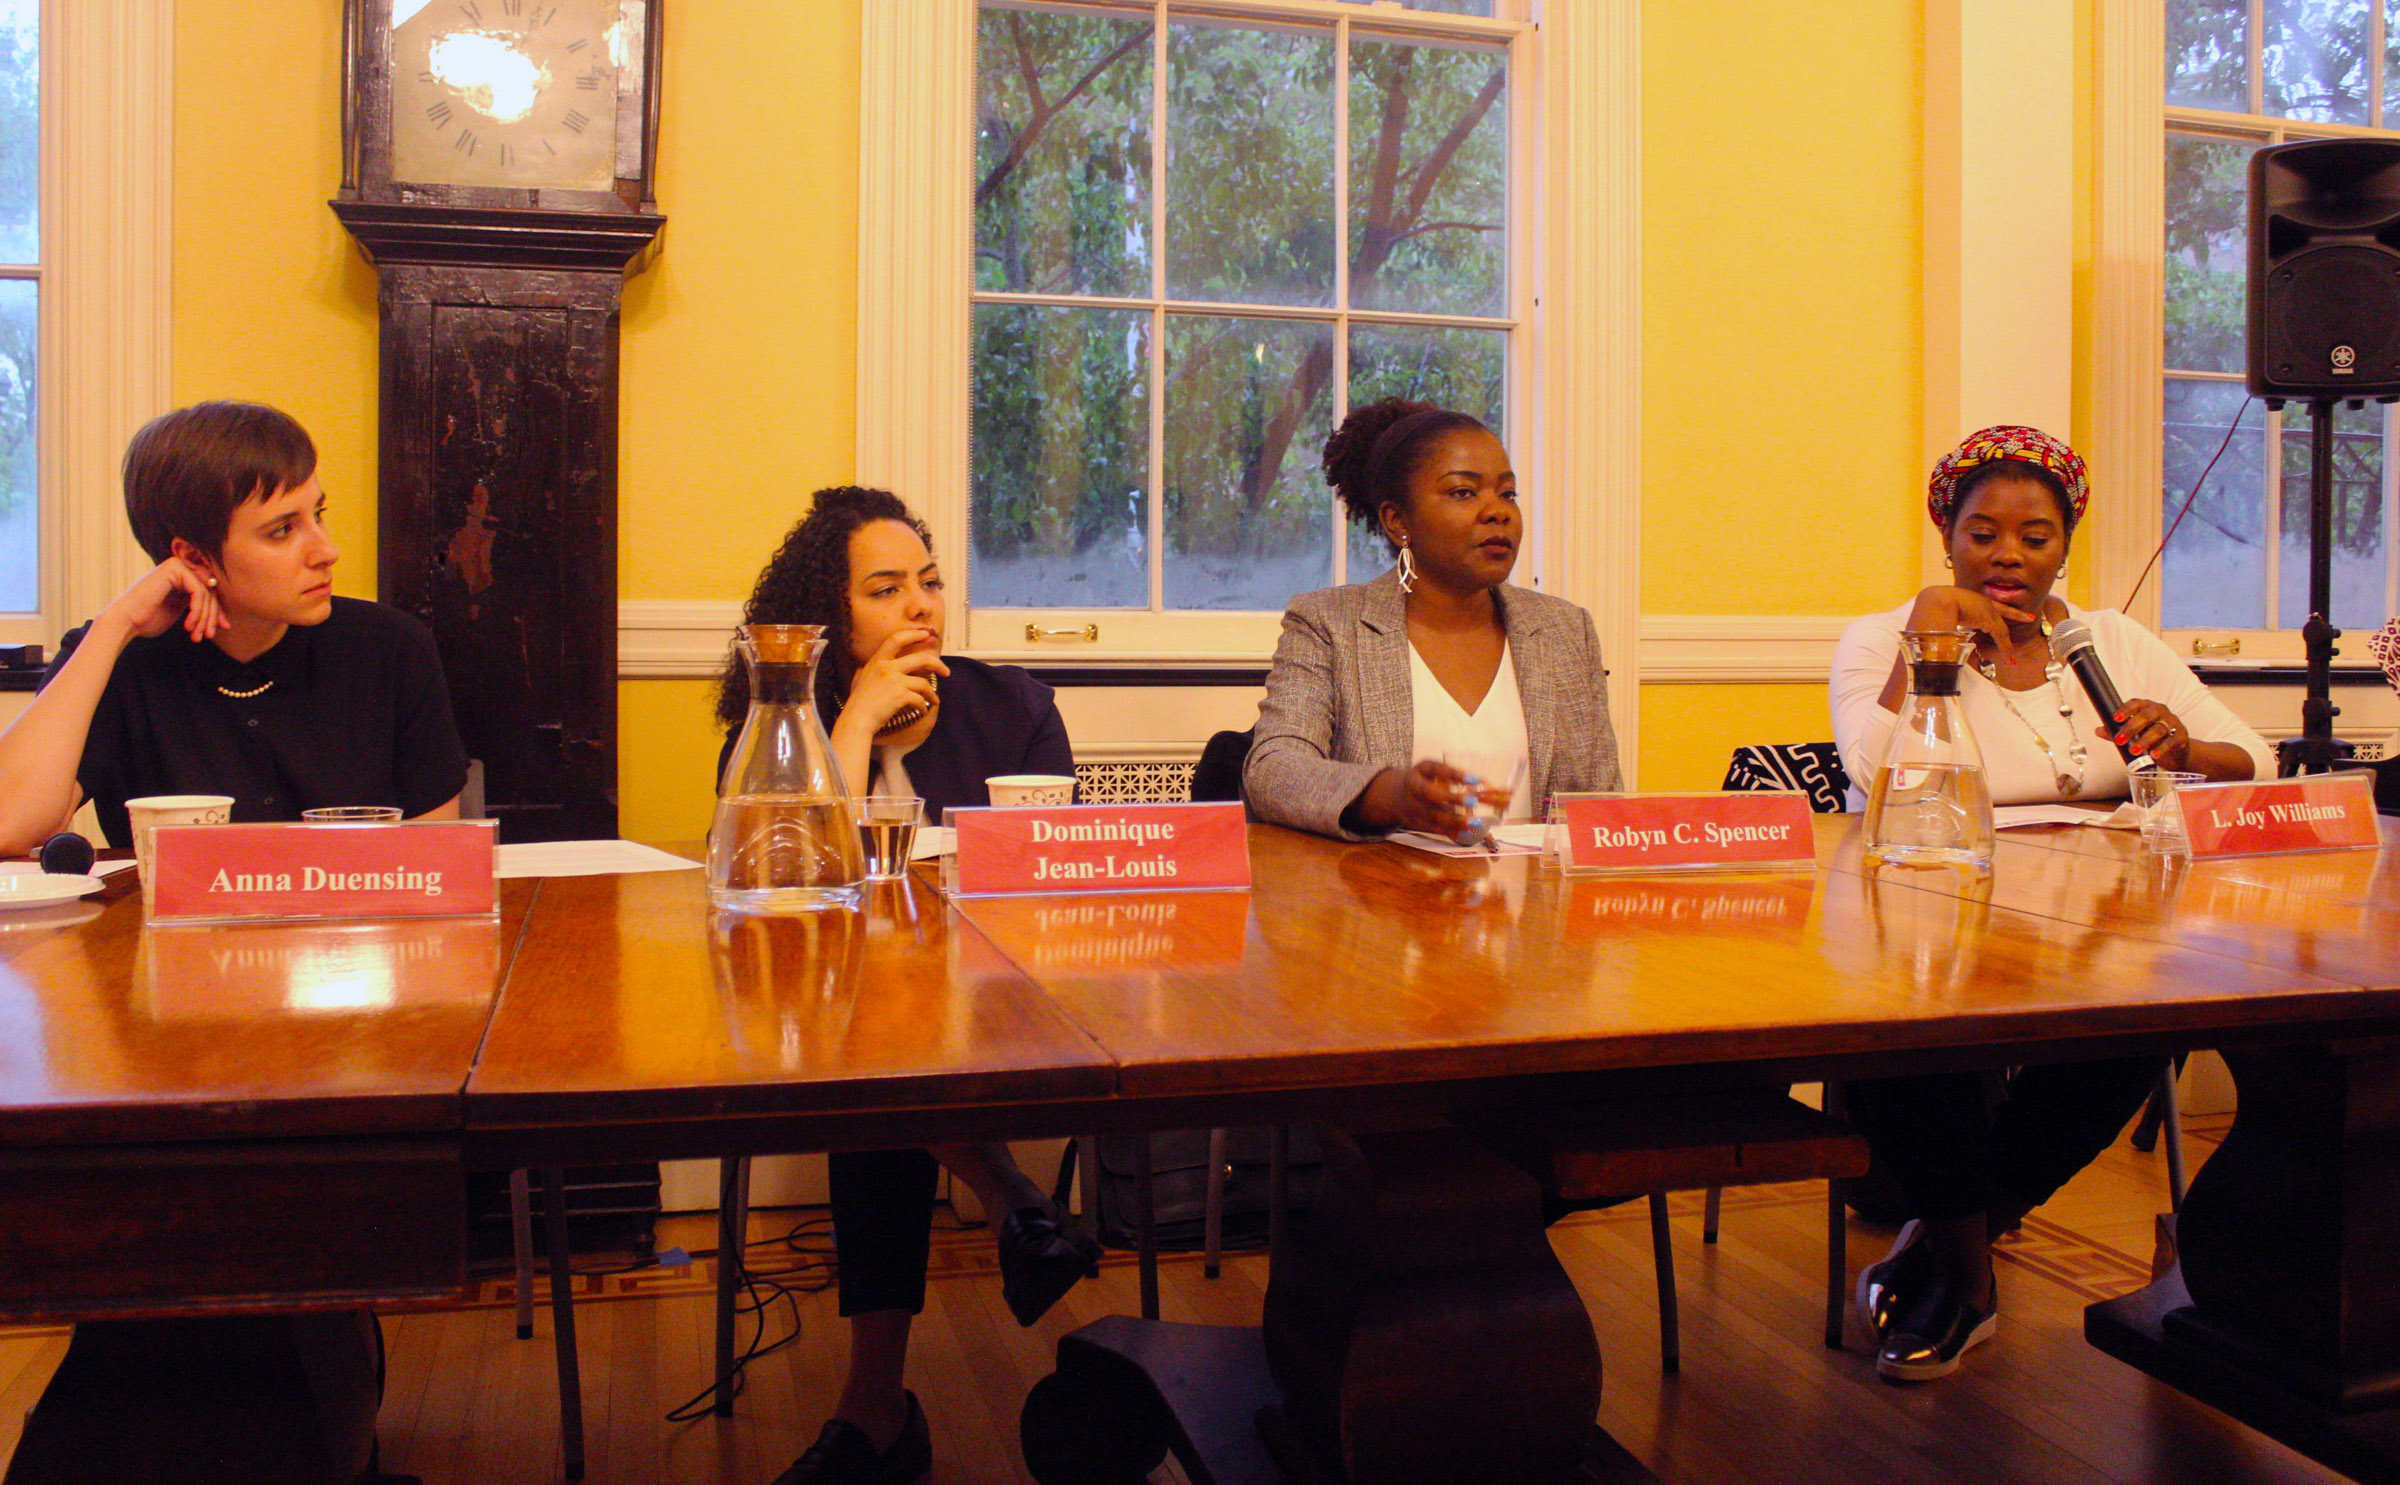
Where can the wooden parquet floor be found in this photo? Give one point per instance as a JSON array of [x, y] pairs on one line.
[[1759, 1398]]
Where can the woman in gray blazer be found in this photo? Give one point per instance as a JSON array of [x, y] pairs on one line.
[[1350, 733]]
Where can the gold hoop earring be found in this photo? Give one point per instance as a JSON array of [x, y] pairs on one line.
[[1408, 568]]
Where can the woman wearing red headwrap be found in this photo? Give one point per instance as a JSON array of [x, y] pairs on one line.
[[2007, 501]]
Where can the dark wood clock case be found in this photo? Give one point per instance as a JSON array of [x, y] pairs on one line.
[[497, 464]]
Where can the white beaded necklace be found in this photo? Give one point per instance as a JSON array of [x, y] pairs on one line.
[[2069, 784]]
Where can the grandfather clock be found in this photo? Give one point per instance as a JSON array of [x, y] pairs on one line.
[[497, 170]]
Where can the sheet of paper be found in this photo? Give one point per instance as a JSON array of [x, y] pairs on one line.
[[932, 841], [111, 868], [2011, 816], [1435, 845], [583, 858]]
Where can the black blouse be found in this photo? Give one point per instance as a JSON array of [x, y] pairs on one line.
[[352, 711], [995, 720]]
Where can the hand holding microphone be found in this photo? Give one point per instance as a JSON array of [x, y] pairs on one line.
[[2146, 734]]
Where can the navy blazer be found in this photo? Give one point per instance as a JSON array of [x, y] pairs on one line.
[[995, 720]]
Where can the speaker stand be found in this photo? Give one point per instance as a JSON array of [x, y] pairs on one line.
[[2316, 749]]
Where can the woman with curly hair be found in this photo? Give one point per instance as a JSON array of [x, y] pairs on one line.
[[905, 719], [1374, 682]]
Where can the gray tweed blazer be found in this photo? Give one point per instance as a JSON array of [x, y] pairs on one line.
[[1338, 708]]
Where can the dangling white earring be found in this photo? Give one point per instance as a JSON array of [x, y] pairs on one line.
[[1408, 569]]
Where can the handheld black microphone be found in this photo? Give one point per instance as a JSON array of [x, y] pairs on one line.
[[2071, 642]]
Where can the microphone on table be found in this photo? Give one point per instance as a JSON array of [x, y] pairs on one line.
[[2071, 641]]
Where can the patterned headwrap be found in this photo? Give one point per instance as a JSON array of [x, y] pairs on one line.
[[2008, 441]]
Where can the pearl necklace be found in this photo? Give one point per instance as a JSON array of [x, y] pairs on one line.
[[257, 690]]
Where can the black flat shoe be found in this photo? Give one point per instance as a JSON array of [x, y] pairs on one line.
[[1932, 1329], [844, 1455], [1040, 1262], [1882, 1284]]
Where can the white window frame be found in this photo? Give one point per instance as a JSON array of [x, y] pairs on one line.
[[107, 244], [1574, 373], [2129, 323]]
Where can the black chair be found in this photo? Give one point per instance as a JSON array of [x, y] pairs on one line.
[[1218, 774]]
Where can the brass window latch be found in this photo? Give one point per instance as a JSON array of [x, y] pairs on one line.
[[2217, 649], [1088, 633]]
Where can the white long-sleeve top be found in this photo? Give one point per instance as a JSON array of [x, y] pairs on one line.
[[2013, 764]]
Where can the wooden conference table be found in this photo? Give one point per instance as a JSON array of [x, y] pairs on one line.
[[177, 1106]]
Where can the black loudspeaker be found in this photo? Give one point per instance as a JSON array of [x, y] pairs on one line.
[[2325, 270]]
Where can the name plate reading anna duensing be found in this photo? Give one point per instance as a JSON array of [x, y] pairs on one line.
[[1099, 848], [1765, 831], [432, 868]]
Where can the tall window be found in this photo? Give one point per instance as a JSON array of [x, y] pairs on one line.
[[20, 295], [1201, 234], [2242, 74]]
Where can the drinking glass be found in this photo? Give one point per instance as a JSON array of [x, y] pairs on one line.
[[887, 829], [1489, 774], [352, 814], [2162, 819]]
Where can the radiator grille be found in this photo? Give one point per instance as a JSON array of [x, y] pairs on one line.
[[1134, 782]]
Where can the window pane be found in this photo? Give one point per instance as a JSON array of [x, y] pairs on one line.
[[1061, 456], [1428, 179], [1462, 369], [2214, 574], [20, 130], [2315, 60], [1062, 164], [2207, 238], [2357, 518], [19, 531], [1250, 166], [1248, 413], [1446, 7], [2208, 51]]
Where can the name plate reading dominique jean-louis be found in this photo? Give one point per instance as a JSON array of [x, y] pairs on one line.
[[2317, 812], [1685, 832], [433, 868], [1099, 848]]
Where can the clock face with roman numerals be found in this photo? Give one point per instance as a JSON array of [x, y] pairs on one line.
[[511, 93]]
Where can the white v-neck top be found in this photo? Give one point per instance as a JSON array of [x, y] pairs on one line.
[[1493, 733]]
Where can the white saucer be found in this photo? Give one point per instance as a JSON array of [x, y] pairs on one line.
[[34, 889]]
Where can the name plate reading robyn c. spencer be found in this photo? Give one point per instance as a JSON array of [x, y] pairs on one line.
[[2316, 812], [1764, 831], [431, 868], [1098, 848]]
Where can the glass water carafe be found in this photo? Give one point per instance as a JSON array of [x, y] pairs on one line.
[[784, 838], [1929, 803]]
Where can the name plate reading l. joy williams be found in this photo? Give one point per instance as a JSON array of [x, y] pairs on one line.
[[1766, 831], [1098, 848], [432, 868], [2316, 812]]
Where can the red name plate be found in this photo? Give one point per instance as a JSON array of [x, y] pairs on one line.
[[1100, 848], [1686, 832], [428, 869], [2318, 812]]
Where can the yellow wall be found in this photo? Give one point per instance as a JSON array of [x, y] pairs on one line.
[[1782, 269], [1781, 263]]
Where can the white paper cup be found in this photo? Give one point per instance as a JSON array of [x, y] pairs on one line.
[[152, 811], [1031, 788]]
